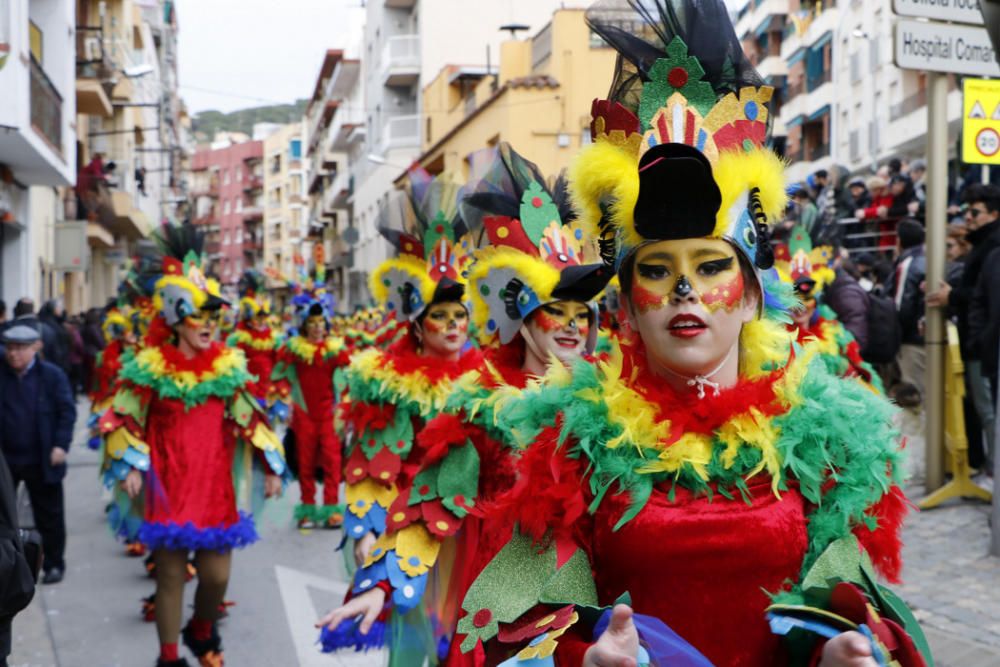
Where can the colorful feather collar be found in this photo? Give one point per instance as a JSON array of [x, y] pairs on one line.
[[402, 376], [831, 438], [311, 353], [255, 339], [218, 372]]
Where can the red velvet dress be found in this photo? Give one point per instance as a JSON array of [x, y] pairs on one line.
[[259, 347]]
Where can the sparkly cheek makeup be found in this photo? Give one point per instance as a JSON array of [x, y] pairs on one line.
[[726, 296], [549, 323], [646, 300]]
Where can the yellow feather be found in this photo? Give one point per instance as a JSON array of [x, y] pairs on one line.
[[606, 173], [537, 274], [737, 172], [414, 267]]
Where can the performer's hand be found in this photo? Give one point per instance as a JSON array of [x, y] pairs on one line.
[[369, 605], [132, 483], [363, 547], [272, 486], [619, 645], [848, 649], [58, 456]]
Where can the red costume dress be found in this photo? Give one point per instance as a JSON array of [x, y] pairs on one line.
[[700, 509], [190, 425], [260, 348], [305, 372]]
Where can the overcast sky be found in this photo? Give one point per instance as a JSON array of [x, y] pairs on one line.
[[234, 54]]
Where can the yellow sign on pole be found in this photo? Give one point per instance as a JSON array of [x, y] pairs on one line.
[[981, 121]]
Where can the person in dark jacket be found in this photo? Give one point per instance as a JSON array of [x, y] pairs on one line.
[[848, 299], [982, 224], [56, 339], [907, 278], [16, 569], [37, 415]]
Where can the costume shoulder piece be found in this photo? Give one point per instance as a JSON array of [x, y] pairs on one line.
[[221, 373]]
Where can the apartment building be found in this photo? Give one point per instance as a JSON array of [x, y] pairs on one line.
[[285, 205], [539, 99], [839, 99], [406, 43], [221, 173], [37, 147]]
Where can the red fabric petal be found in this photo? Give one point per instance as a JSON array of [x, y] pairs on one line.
[[356, 468], [439, 521], [401, 514], [384, 466]]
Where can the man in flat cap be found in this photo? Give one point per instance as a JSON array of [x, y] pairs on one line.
[[37, 414]]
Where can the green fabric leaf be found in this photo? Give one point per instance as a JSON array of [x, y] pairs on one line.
[[537, 211], [658, 89], [508, 587], [572, 583], [397, 437], [242, 409], [459, 473], [425, 485], [129, 403], [439, 228]]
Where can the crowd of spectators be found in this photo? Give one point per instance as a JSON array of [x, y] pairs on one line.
[[878, 224]]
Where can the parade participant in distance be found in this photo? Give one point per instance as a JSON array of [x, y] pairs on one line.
[[305, 369], [531, 298], [254, 334], [181, 437], [665, 499], [808, 270]]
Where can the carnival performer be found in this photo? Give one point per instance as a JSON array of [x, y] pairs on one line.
[[461, 460], [306, 364], [254, 334], [808, 270], [182, 438], [709, 465], [393, 392]]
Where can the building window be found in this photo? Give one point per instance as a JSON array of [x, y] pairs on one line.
[[225, 177], [239, 205], [295, 149], [225, 208], [225, 239]]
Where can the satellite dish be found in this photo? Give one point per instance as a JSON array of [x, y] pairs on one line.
[[351, 235]]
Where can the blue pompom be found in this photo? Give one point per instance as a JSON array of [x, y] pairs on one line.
[[348, 635]]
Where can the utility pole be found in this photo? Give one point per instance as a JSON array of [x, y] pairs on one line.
[[934, 332]]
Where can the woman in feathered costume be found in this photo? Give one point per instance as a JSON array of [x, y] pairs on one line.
[[531, 294], [254, 334], [808, 270], [711, 486], [305, 369], [182, 437]]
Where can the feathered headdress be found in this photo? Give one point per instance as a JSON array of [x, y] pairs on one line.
[[312, 299], [426, 230], [679, 146], [182, 288], [534, 255], [253, 294], [806, 267]]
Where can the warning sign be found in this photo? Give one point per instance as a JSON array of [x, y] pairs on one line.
[[981, 132]]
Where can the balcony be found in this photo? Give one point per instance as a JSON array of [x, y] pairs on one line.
[[253, 183], [401, 132], [400, 4], [916, 101], [213, 248], [401, 61], [46, 107], [342, 81], [253, 214], [94, 71]]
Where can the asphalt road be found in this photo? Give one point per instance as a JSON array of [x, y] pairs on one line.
[[91, 619]]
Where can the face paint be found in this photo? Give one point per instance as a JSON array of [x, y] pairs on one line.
[[563, 315], [709, 267], [445, 316], [726, 296]]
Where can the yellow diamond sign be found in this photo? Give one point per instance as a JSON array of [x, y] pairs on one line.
[[981, 121]]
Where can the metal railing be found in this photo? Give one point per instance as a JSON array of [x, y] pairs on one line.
[[872, 235], [46, 106], [401, 132], [401, 52]]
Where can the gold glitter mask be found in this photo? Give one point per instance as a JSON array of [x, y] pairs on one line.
[[707, 267]]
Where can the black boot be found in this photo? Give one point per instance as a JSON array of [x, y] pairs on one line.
[[180, 662], [208, 651]]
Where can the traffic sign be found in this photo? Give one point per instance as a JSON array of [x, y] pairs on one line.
[[942, 47], [957, 11], [981, 121]]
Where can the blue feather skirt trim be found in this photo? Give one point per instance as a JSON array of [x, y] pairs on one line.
[[347, 635], [188, 536]]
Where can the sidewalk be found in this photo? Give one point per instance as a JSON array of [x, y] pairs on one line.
[[951, 582]]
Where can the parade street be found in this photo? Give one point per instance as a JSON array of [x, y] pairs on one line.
[[286, 581], [281, 585]]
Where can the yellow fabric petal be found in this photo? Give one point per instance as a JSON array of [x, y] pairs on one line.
[[382, 545], [416, 542], [366, 492]]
